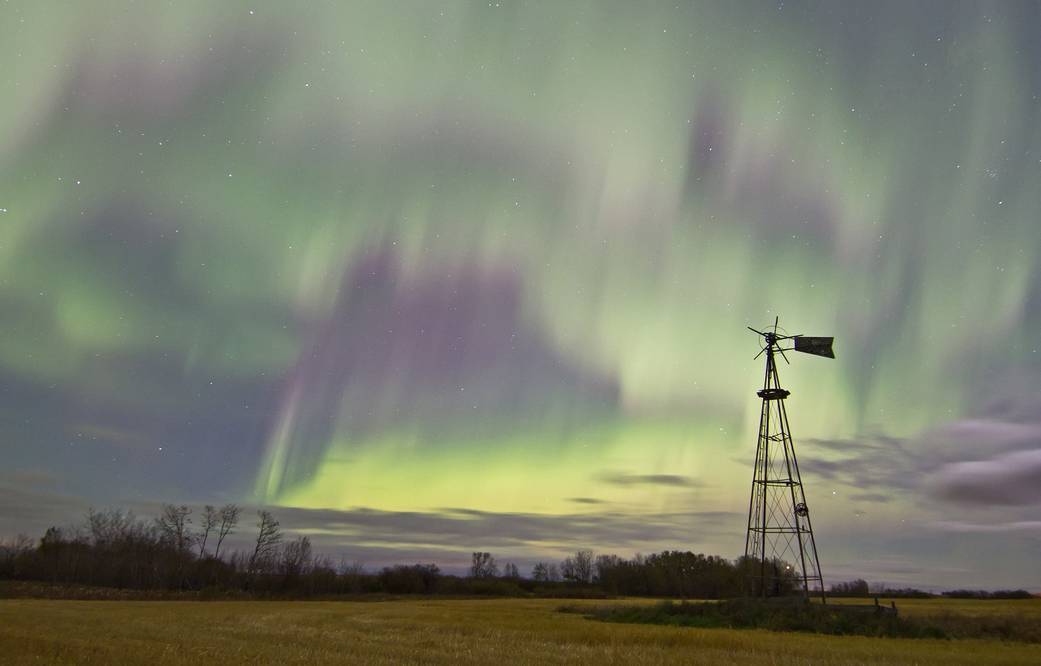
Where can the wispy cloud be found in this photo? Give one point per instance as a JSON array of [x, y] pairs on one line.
[[873, 462], [622, 479], [31, 478], [1028, 526], [992, 460], [871, 497], [1011, 479]]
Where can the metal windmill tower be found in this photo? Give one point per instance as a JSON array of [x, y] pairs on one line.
[[779, 548]]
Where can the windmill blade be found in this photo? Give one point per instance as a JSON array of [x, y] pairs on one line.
[[755, 331], [817, 346], [761, 352], [783, 356]]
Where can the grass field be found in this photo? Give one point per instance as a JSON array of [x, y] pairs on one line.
[[434, 631]]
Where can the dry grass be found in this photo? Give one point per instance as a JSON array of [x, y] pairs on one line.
[[431, 631]]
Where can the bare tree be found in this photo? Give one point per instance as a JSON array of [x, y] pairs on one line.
[[553, 573], [269, 535], [584, 560], [296, 557], [483, 566], [510, 570], [353, 576], [21, 544], [107, 528], [605, 564], [229, 518], [324, 563], [579, 568], [210, 520], [173, 527], [13, 552], [540, 572], [354, 568]]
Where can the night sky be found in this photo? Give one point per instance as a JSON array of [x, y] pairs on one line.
[[434, 277]]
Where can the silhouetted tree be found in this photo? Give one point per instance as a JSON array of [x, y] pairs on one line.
[[579, 568], [122, 551], [483, 566], [115, 526], [210, 520], [229, 519], [295, 559], [604, 564], [172, 524], [175, 541], [269, 535], [853, 588], [510, 571], [415, 579], [353, 576], [14, 555], [540, 572]]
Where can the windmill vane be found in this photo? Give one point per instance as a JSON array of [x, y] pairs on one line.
[[780, 550]]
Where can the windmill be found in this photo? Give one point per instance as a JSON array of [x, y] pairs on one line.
[[780, 551]]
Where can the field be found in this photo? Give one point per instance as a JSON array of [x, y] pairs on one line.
[[440, 631]]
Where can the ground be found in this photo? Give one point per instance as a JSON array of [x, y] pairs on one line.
[[439, 631]]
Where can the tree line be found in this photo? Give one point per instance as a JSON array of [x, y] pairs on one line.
[[115, 548], [861, 588]]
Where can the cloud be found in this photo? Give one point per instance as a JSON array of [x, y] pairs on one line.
[[1029, 526], [621, 479], [1011, 479], [586, 500], [871, 497], [963, 438], [993, 460], [468, 527], [447, 536], [873, 462], [30, 511], [31, 478]]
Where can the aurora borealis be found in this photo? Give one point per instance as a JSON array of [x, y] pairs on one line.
[[433, 277]]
